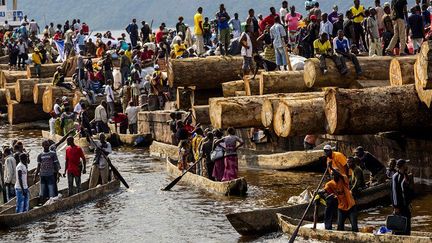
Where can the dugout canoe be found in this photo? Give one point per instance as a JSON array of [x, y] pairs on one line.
[[312, 160], [82, 142], [163, 150], [263, 221], [8, 217], [288, 226], [33, 189], [237, 187]]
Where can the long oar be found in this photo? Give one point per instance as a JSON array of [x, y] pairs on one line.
[[294, 235], [174, 182], [64, 146], [64, 138], [114, 169]]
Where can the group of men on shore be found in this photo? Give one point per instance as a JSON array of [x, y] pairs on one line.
[[348, 180]]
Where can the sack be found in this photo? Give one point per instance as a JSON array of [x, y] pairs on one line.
[[216, 154], [396, 223]]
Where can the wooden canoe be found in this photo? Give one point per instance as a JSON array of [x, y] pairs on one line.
[[8, 217], [312, 160], [163, 150], [288, 225], [33, 189], [237, 187], [82, 142], [263, 221]]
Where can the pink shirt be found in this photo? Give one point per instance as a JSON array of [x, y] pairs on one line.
[[292, 21]]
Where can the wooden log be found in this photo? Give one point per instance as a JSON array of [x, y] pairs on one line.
[[424, 69], [47, 70], [10, 93], [238, 112], [51, 93], [271, 104], [282, 82], [202, 96], [381, 109], [200, 114], [401, 70], [10, 77], [38, 91], [229, 88], [24, 88], [374, 68], [28, 112], [425, 95], [362, 84], [204, 73], [299, 117]]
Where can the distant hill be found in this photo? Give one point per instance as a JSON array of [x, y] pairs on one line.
[[116, 14]]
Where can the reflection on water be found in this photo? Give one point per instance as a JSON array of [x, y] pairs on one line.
[[144, 213]]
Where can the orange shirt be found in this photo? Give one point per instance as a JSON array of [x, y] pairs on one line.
[[339, 162], [342, 192]]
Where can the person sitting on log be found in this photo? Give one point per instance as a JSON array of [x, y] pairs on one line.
[[180, 50], [37, 61], [342, 49], [372, 164], [323, 50], [59, 78]]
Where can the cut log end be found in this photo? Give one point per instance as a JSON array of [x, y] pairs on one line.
[[309, 75], [331, 110], [267, 113], [282, 126], [395, 73]]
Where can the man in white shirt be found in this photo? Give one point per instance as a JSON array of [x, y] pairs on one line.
[[9, 174], [21, 185], [132, 114], [101, 118], [325, 25], [283, 11], [278, 33], [109, 97], [57, 108]]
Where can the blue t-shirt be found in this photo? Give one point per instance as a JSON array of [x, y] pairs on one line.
[[222, 24], [341, 45]]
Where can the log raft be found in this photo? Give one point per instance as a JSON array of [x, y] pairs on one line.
[[372, 68], [24, 88], [204, 73], [401, 70], [368, 111]]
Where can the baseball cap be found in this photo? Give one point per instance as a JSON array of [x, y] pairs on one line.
[[327, 147]]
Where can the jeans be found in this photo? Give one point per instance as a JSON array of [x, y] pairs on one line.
[[351, 215], [280, 56], [10, 191], [111, 110], [125, 73], [351, 57], [336, 60], [22, 58], [71, 178], [22, 202], [38, 70], [330, 211], [48, 186]]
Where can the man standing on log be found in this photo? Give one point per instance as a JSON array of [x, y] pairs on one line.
[[342, 48], [373, 31], [278, 34], [73, 166], [400, 14], [37, 61], [199, 32], [246, 51], [132, 30], [223, 29], [323, 50], [358, 13]]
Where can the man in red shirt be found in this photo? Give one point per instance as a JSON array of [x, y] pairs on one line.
[[146, 55], [73, 166], [269, 20], [159, 35], [122, 120]]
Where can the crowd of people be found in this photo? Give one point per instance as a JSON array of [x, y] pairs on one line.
[[214, 154], [349, 177]]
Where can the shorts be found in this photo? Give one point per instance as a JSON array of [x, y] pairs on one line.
[[224, 36], [280, 56], [417, 42], [247, 63]]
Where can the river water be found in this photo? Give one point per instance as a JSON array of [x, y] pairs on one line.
[[144, 213]]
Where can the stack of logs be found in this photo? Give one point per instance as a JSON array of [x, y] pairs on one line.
[[310, 102], [24, 93]]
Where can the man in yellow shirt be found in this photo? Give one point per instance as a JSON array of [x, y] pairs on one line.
[[179, 49], [37, 61], [323, 50], [358, 13], [199, 31]]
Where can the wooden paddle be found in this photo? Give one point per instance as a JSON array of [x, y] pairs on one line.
[[294, 235], [315, 215], [114, 169], [174, 182], [64, 138]]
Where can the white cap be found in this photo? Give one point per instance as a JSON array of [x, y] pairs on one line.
[[327, 147], [156, 66]]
